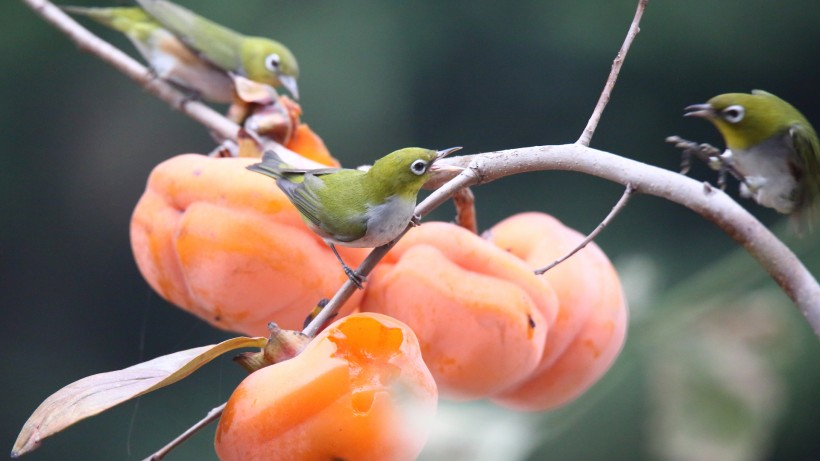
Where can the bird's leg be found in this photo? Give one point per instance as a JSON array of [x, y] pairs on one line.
[[710, 155], [705, 152], [191, 95], [685, 161], [354, 276]]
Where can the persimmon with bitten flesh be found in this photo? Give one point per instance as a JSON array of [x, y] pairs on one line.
[[359, 391]]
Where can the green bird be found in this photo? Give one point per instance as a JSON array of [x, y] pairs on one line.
[[167, 56], [259, 59], [354, 208], [770, 144]]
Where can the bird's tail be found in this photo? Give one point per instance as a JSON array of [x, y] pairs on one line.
[[122, 19], [271, 165]]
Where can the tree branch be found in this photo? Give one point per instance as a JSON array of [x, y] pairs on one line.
[[90, 43], [603, 100], [714, 205]]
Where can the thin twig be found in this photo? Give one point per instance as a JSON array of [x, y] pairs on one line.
[[212, 416], [614, 212], [592, 124]]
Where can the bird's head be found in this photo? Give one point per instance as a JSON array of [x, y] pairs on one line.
[[268, 61], [404, 171], [746, 120]]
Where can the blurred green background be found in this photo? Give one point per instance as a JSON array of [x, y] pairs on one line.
[[719, 365]]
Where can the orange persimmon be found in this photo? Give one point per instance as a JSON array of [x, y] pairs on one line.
[[590, 328], [226, 244], [359, 391], [480, 313], [311, 146]]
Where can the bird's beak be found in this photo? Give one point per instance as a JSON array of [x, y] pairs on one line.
[[443, 153], [289, 82], [700, 110], [440, 155]]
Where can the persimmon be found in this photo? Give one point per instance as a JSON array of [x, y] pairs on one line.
[[225, 244], [310, 145], [480, 313], [590, 327], [359, 391]]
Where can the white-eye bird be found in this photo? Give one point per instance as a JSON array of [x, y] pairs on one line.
[[771, 144], [363, 209], [257, 58], [167, 56]]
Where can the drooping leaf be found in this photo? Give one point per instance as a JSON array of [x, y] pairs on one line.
[[97, 393]]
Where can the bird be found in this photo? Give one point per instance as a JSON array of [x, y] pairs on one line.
[[770, 145], [355, 208], [168, 57], [259, 59]]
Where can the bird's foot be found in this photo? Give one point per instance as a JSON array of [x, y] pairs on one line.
[[707, 153], [712, 156], [415, 221], [355, 277]]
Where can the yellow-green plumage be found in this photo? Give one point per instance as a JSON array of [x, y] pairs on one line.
[[167, 56], [259, 59], [771, 144]]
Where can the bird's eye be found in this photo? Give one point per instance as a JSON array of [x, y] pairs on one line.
[[733, 114], [418, 167], [272, 62]]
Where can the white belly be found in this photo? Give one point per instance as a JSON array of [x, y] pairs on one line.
[[385, 222], [769, 178]]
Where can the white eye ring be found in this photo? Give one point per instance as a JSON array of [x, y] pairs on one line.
[[418, 167], [272, 62], [733, 114]]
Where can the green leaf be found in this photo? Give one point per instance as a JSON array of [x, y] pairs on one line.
[[94, 394]]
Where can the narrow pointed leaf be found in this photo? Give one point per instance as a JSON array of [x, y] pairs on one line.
[[97, 393]]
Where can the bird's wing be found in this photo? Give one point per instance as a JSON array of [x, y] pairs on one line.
[[213, 42], [303, 197], [312, 198], [808, 154]]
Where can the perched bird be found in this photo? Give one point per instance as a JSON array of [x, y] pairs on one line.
[[167, 56], [259, 59], [363, 209], [770, 144]]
